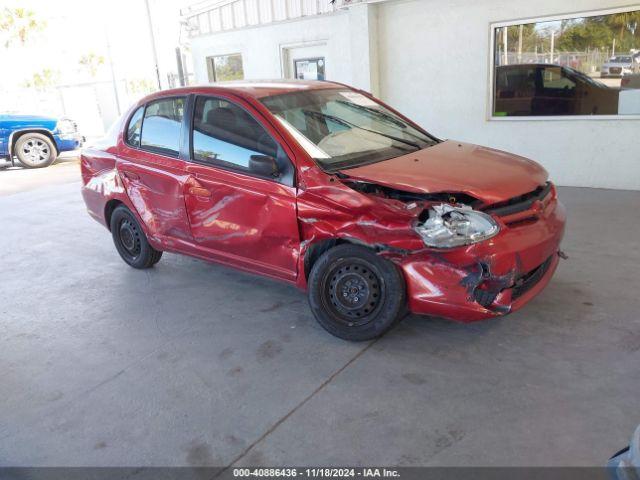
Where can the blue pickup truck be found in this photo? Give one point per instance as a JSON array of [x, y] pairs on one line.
[[36, 141]]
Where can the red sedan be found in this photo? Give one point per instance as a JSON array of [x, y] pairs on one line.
[[323, 186]]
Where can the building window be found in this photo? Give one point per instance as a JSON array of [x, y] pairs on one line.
[[580, 65], [225, 67]]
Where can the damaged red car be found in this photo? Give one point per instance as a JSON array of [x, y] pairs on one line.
[[328, 188]]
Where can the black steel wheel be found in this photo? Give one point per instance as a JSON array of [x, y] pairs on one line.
[[130, 240], [352, 291], [355, 294]]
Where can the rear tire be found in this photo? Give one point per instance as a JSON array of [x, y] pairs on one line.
[[355, 294], [35, 150], [130, 240]]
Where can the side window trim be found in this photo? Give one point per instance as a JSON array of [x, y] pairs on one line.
[[287, 178], [126, 130], [187, 125]]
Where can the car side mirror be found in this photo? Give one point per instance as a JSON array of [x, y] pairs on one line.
[[264, 165]]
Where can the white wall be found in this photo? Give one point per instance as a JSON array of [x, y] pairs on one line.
[[434, 67], [261, 46]]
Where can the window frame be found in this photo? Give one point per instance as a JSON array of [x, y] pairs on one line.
[[211, 65], [548, 18], [144, 106], [125, 136], [287, 176]]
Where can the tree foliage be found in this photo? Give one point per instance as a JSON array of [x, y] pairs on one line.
[[18, 24], [91, 62], [228, 67], [578, 35], [43, 80]]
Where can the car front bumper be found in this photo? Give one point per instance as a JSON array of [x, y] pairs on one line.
[[616, 73], [491, 278], [67, 142]]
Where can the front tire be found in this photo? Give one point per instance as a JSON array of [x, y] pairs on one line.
[[35, 150], [355, 294], [130, 240]]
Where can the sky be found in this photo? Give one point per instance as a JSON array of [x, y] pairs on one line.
[[75, 28]]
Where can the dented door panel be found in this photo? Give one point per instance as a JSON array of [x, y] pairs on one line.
[[243, 220], [155, 185]]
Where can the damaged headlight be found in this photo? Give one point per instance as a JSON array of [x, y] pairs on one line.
[[449, 226]]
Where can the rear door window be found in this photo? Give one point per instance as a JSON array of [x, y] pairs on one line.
[[162, 125]]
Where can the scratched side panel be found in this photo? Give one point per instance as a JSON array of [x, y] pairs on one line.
[[155, 186], [328, 209], [101, 182], [246, 220]]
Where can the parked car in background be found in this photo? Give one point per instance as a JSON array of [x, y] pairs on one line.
[[327, 188], [630, 95], [546, 89], [618, 66], [630, 81], [36, 141]]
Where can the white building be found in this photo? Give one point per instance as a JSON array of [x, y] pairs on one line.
[[434, 61]]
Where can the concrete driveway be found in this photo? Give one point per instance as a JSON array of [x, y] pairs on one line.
[[191, 363], [14, 179]]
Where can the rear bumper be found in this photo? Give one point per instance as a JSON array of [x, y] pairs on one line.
[[491, 278]]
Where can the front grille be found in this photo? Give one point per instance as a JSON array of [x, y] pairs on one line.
[[615, 70], [527, 281], [520, 203]]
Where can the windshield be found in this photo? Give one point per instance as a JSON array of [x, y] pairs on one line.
[[341, 128]]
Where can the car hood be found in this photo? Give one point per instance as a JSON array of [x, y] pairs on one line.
[[19, 121], [485, 173], [27, 118]]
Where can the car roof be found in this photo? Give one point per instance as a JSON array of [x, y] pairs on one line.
[[251, 88]]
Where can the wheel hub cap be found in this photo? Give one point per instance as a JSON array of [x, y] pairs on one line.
[[355, 291], [129, 237], [352, 293], [36, 150]]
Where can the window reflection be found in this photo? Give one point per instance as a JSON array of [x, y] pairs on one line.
[[161, 126], [225, 134], [577, 66]]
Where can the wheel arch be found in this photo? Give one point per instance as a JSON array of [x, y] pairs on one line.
[[109, 207], [16, 134], [316, 249]]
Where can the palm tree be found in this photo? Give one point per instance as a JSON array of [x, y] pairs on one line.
[[624, 21]]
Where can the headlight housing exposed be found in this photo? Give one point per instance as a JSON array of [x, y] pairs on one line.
[[451, 226]]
